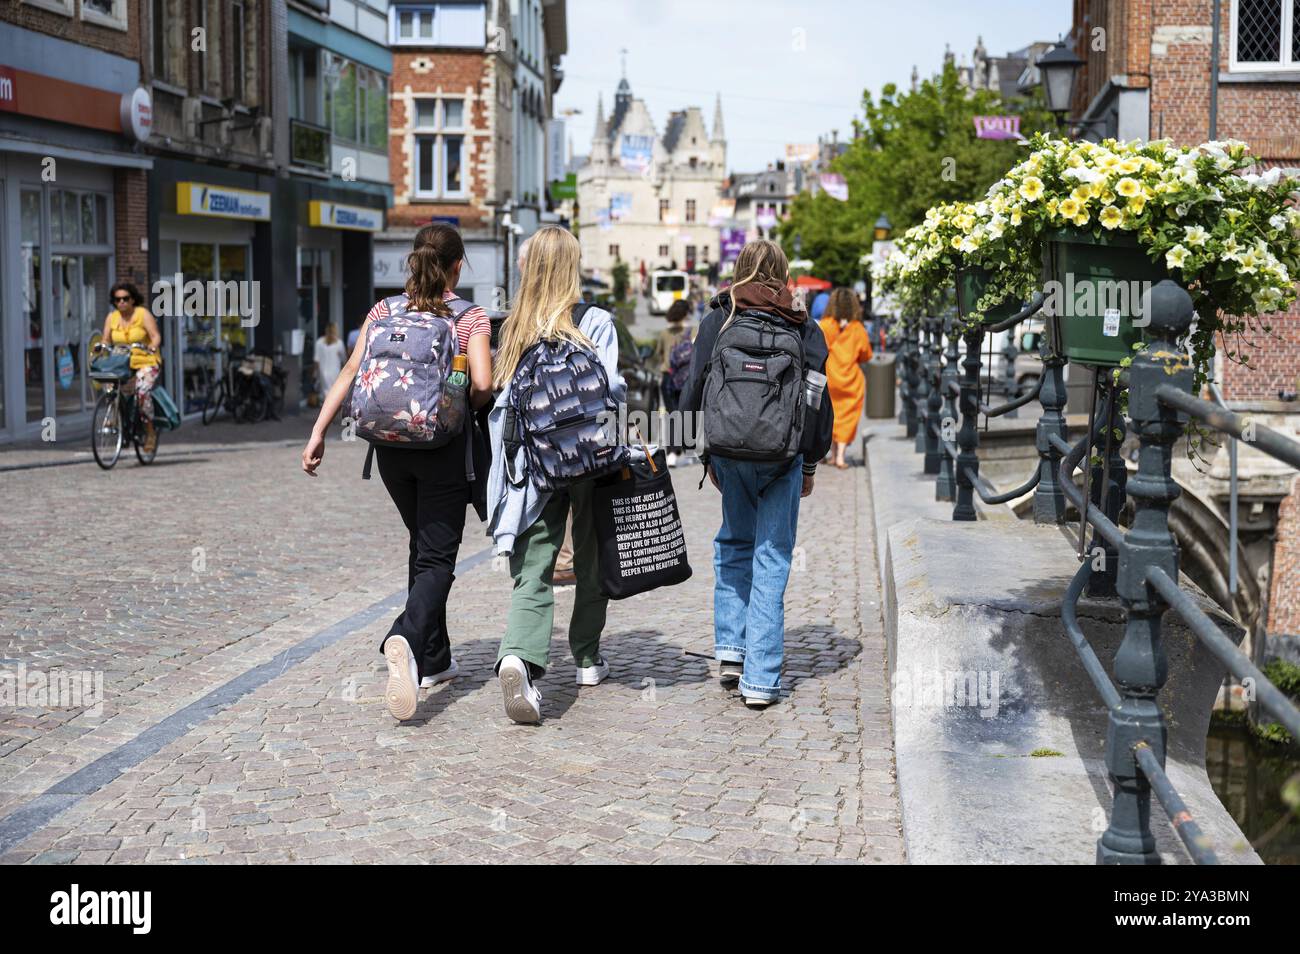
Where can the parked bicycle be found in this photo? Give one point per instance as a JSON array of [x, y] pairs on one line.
[[250, 390], [118, 419]]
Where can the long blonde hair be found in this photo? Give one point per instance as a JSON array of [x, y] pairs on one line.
[[759, 261], [549, 287]]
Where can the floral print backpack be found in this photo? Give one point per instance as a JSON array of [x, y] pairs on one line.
[[404, 395]]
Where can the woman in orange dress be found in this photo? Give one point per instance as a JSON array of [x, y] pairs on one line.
[[849, 346]]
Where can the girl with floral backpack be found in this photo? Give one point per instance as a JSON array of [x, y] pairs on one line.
[[407, 400]]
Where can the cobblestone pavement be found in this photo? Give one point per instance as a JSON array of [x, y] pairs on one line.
[[176, 579]]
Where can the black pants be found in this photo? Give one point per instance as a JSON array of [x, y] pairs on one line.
[[431, 493]]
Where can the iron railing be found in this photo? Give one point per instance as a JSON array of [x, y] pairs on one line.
[[1138, 565]]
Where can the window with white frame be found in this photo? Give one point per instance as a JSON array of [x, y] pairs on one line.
[[109, 13], [438, 24], [1265, 35], [438, 128], [58, 6]]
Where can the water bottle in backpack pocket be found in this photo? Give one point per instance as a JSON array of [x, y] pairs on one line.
[[754, 403], [408, 391]]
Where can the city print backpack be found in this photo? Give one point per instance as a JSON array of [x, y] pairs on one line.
[[402, 396], [559, 411], [754, 391]]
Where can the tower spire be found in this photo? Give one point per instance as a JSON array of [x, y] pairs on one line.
[[719, 134]]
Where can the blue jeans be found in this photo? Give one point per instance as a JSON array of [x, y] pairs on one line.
[[751, 564]]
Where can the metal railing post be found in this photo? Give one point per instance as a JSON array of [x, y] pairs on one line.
[[968, 438], [934, 400], [1009, 353], [1140, 668], [900, 368], [921, 393], [1109, 484], [1049, 498], [945, 487], [913, 375]]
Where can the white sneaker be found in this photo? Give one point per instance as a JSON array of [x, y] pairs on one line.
[[672, 459], [448, 674], [593, 675], [523, 701], [403, 676]]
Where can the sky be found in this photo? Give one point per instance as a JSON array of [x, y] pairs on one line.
[[787, 70]]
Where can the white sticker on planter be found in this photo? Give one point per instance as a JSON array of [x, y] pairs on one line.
[[1110, 328]]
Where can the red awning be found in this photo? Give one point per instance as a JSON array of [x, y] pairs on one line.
[[808, 281]]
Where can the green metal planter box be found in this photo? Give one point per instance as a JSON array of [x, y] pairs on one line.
[[1097, 295], [971, 285]]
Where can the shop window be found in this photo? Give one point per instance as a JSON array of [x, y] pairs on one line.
[[439, 151], [31, 216], [109, 13], [1265, 35]]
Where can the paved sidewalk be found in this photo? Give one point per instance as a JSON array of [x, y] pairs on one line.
[[300, 761]]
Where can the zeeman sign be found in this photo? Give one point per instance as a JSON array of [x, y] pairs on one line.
[[335, 215], [200, 198]]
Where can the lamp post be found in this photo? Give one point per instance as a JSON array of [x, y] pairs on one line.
[[882, 229], [797, 245]]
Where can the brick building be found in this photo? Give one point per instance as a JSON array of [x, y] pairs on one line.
[[73, 197], [1149, 73], [451, 137]]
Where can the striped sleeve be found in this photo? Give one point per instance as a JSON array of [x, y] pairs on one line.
[[472, 323], [380, 310]]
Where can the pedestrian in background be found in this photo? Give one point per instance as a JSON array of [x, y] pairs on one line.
[[849, 346], [528, 524], [760, 499], [329, 355], [429, 486]]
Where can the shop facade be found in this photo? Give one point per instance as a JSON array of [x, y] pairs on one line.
[[70, 175]]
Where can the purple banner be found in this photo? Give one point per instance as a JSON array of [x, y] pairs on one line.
[[997, 127], [730, 242]]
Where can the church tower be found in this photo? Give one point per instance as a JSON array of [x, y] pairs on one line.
[[718, 137], [600, 136]]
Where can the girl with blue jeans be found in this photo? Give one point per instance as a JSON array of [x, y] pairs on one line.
[[760, 500]]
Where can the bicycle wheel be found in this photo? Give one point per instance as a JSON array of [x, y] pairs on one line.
[[145, 457], [215, 400], [252, 405], [106, 430]]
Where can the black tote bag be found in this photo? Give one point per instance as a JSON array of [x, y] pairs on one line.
[[639, 532]]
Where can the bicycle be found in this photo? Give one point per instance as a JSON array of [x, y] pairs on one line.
[[117, 419], [251, 390]]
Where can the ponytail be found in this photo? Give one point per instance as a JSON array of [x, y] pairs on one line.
[[438, 247]]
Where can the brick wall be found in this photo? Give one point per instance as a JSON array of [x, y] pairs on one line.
[[131, 214], [473, 77], [1284, 601], [126, 43]]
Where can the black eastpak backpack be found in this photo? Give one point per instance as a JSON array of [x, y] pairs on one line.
[[562, 413], [753, 402]]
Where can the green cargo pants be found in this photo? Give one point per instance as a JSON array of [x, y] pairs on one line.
[[532, 602]]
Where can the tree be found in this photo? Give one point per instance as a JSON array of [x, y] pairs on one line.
[[910, 151], [619, 274]]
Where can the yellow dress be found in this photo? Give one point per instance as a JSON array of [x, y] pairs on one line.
[[129, 333], [847, 347]]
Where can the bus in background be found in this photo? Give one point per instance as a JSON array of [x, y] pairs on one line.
[[665, 288]]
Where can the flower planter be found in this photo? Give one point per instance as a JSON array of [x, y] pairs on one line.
[[1096, 300], [971, 285]]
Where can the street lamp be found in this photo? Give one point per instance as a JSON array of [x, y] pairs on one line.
[[883, 228], [1059, 67], [797, 244]]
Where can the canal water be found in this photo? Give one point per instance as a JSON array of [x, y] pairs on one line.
[[1248, 776]]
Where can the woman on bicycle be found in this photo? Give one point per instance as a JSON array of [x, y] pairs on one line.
[[130, 323], [428, 486]]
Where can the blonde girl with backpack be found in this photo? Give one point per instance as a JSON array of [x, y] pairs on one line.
[[527, 523], [429, 486]]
